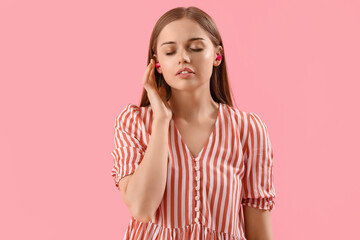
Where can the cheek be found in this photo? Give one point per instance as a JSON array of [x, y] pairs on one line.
[[206, 60], [167, 67], [206, 65], [208, 55]]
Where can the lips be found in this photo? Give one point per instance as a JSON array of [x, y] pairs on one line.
[[185, 69]]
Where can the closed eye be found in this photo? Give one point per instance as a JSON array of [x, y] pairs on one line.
[[195, 50]]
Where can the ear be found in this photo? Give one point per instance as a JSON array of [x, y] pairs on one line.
[[156, 61], [218, 50]]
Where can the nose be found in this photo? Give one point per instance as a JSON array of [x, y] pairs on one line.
[[184, 56]]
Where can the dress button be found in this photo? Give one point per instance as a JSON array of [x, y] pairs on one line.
[[197, 209], [197, 197], [197, 188], [196, 168]]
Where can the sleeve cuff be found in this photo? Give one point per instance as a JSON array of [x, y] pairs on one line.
[[259, 203]]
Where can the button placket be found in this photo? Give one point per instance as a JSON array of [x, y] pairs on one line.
[[197, 188]]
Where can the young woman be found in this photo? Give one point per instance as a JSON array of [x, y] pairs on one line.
[[188, 164]]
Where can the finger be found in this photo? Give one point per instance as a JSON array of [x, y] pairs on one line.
[[151, 84], [152, 75], [149, 67], [146, 75], [147, 72]]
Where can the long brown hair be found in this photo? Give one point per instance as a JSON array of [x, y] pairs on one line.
[[219, 85]]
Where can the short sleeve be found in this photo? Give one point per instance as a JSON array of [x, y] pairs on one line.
[[259, 189], [129, 150]]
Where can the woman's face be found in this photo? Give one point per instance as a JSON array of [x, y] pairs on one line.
[[198, 54]]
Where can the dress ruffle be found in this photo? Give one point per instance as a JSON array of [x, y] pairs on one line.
[[146, 231]]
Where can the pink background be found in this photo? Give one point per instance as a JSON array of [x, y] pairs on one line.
[[67, 68]]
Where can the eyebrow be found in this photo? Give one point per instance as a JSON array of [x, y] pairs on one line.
[[191, 39]]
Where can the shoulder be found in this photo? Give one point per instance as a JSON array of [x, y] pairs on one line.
[[248, 120], [235, 114], [131, 114], [248, 117], [255, 121]]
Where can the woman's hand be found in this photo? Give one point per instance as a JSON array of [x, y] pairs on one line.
[[157, 97]]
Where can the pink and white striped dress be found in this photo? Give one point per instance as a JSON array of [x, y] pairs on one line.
[[204, 195]]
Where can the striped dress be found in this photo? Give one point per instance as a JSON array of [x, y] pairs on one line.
[[204, 196]]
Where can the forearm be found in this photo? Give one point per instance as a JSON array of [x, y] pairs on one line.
[[257, 224], [260, 238], [260, 234], [146, 187]]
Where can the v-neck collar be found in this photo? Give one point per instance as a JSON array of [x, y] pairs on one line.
[[209, 138]]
